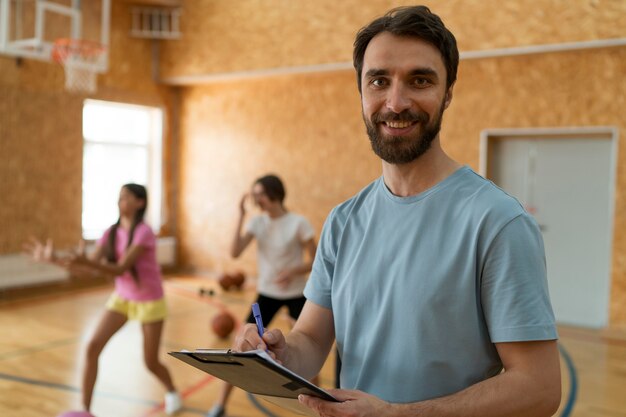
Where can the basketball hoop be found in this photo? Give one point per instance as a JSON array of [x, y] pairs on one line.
[[80, 59]]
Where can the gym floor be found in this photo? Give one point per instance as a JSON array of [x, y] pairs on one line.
[[43, 337]]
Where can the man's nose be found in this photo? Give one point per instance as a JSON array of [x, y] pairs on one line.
[[398, 99]]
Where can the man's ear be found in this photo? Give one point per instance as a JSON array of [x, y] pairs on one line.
[[448, 98]]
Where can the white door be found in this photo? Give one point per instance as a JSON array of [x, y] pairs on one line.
[[566, 183]]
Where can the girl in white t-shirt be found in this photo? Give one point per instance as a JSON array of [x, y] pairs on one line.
[[282, 239]]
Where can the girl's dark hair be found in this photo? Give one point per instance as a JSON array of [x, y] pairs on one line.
[[141, 193], [411, 21], [273, 187]]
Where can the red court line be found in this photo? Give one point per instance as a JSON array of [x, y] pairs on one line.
[[184, 394], [186, 292]]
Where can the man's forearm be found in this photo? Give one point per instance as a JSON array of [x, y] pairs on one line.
[[305, 357], [510, 394]]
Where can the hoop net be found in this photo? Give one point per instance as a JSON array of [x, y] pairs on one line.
[[80, 60]]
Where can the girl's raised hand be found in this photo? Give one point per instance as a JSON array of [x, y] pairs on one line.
[[78, 256], [40, 252], [242, 204], [78, 263]]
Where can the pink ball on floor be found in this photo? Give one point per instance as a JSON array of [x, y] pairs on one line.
[[76, 414]]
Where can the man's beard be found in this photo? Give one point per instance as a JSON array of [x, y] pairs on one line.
[[398, 149]]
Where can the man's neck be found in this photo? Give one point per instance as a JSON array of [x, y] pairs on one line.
[[421, 174]]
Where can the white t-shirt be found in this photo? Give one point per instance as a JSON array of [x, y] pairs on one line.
[[279, 246]]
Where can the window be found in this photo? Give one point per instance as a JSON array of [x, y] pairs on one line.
[[122, 144]]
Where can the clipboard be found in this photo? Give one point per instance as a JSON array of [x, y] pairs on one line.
[[256, 372]]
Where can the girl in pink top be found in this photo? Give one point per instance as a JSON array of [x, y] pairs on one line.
[[127, 252]]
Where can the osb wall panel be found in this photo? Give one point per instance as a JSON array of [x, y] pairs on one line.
[[40, 160], [41, 134], [222, 36], [551, 90], [308, 129]]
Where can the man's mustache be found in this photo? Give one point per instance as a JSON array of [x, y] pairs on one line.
[[404, 116]]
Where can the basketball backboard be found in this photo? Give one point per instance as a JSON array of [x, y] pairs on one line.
[[29, 28]]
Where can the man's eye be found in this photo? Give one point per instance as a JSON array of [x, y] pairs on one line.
[[378, 82], [421, 82]]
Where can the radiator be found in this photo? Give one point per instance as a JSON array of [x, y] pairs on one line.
[[18, 270], [166, 251]]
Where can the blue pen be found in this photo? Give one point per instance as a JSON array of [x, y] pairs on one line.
[[256, 312]]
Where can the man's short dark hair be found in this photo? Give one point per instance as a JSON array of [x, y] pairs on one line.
[[415, 22]]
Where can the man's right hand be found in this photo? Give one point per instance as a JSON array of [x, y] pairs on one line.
[[273, 341]]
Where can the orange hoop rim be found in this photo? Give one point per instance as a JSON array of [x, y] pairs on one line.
[[65, 47]]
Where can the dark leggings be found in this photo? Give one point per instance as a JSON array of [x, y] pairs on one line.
[[270, 306]]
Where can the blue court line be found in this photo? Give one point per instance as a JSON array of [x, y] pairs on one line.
[[573, 388], [70, 388], [23, 380], [65, 387], [260, 406], [40, 348]]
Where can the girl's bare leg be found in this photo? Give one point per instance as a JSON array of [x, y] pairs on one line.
[[151, 343], [110, 323]]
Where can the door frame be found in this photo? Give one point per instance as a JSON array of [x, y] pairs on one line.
[[487, 136]]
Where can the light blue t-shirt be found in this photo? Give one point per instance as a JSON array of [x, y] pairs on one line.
[[422, 287]]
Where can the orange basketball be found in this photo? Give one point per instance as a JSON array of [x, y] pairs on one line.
[[226, 281], [238, 278], [223, 324]]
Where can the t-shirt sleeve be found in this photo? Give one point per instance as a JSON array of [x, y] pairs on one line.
[[144, 236], [252, 227], [305, 230], [104, 238], [514, 287], [319, 285]]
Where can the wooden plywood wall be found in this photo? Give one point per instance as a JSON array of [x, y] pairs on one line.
[[574, 89], [222, 36], [308, 127], [41, 141]]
